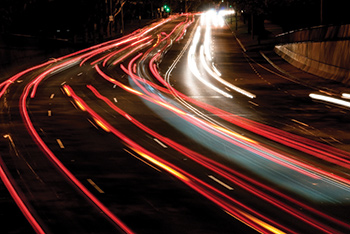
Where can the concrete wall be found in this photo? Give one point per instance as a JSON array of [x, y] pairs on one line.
[[329, 58]]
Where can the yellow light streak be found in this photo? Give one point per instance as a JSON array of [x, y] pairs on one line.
[[229, 132], [66, 90], [162, 165], [133, 90], [257, 221], [103, 126], [80, 105], [171, 108]]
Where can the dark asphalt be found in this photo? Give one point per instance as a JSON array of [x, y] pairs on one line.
[[145, 197]]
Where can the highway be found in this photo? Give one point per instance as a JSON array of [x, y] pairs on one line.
[[173, 128]]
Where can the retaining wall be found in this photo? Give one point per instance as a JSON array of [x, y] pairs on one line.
[[329, 58]]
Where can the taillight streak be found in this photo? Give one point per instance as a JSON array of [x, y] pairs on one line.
[[288, 162], [224, 172], [58, 163], [198, 185], [20, 203], [302, 144]]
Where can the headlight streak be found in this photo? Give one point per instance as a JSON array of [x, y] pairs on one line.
[[216, 19], [316, 149], [194, 69], [313, 148], [215, 69], [302, 144], [201, 187], [206, 43], [205, 53], [241, 122], [215, 76], [278, 158], [157, 56], [329, 175], [228, 173], [264, 152], [330, 99], [304, 165], [345, 95]]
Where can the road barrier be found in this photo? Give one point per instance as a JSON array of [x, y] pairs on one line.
[[323, 51]]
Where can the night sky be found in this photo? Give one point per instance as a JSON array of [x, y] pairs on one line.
[[66, 18]]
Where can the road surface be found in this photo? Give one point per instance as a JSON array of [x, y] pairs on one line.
[[172, 129]]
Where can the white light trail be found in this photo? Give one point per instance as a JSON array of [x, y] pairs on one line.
[[330, 99], [345, 95], [194, 69], [224, 82]]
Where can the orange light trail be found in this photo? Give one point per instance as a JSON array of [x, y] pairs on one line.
[[58, 163], [230, 174], [203, 188]]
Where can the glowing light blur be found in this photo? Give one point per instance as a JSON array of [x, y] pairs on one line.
[[228, 173], [345, 95], [215, 76], [287, 162], [194, 69], [57, 162], [207, 20], [250, 216], [330, 99], [267, 162]]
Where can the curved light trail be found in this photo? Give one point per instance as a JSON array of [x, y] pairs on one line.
[[143, 51]]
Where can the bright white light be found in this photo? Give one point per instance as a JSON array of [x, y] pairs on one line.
[[215, 70], [210, 18], [213, 18], [194, 69], [346, 95], [330, 99], [222, 81], [207, 39]]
